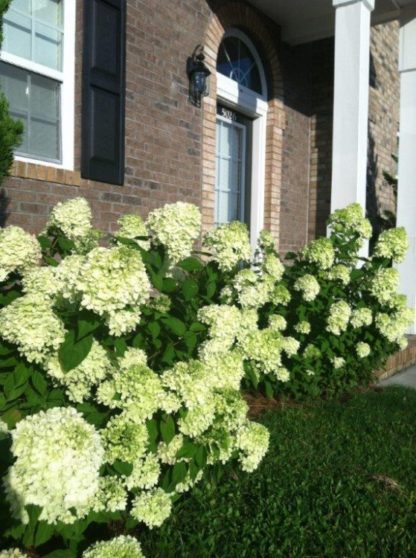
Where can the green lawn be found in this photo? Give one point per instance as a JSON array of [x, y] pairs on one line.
[[338, 481]]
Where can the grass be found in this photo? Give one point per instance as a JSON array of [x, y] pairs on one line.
[[338, 481]]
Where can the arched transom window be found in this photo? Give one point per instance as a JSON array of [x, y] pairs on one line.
[[239, 61]]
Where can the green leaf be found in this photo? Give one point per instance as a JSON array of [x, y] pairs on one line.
[[168, 354], [190, 340], [188, 450], [197, 327], [190, 289], [268, 388], [211, 289], [169, 285], [175, 325], [156, 279], [153, 432], [122, 467], [167, 428], [201, 457], [191, 264], [86, 326], [44, 532], [179, 472], [39, 383], [154, 329], [71, 352]]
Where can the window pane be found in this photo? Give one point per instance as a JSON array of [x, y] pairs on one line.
[[35, 100], [48, 46], [48, 11], [43, 46], [44, 103], [236, 61], [17, 34]]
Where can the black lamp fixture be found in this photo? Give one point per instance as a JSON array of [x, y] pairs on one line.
[[198, 76]]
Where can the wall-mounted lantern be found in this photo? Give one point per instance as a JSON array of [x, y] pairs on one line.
[[198, 75]]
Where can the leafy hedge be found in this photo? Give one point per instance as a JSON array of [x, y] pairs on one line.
[[123, 359]]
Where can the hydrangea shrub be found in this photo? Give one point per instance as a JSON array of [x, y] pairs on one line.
[[121, 376], [344, 310], [123, 360]]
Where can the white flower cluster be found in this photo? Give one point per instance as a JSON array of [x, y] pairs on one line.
[[57, 460], [152, 507], [303, 327], [30, 323], [338, 362], [41, 281], [361, 317], [339, 273], [339, 316], [12, 553], [132, 226], [363, 349], [253, 443], [112, 282], [74, 219], [393, 327], [384, 284], [308, 286], [176, 227], [79, 381], [230, 245], [320, 252], [19, 251], [351, 219], [123, 546], [392, 244]]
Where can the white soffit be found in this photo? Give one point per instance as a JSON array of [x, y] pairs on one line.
[[303, 21]]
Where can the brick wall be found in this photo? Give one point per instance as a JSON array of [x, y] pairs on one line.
[[163, 131], [383, 117], [170, 145], [296, 145]]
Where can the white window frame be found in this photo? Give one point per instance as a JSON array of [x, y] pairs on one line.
[[255, 106], [66, 78]]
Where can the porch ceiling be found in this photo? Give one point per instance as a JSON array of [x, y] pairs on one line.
[[303, 21]]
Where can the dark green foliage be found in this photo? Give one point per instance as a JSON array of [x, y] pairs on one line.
[[10, 130], [338, 481]]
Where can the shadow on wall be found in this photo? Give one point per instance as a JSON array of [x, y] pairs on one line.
[[4, 204]]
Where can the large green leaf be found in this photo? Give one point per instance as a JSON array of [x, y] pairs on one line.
[[167, 428], [175, 325], [190, 289], [72, 352]]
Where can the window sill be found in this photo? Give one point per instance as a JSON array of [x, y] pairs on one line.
[[22, 169]]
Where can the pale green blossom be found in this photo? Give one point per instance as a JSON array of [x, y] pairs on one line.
[[122, 546], [303, 327], [384, 284], [30, 323], [132, 226], [361, 317], [79, 381], [349, 220], [152, 508], [111, 495], [253, 443], [19, 251], [320, 252], [145, 474], [176, 227], [308, 286], [124, 439], [392, 244], [338, 362], [340, 273], [57, 460], [339, 316], [363, 349], [230, 245]]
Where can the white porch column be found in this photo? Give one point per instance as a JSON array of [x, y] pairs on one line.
[[351, 94], [406, 198]]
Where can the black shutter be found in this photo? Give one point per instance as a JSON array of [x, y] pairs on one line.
[[103, 90]]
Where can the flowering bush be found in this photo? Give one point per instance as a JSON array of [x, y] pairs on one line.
[[121, 373], [344, 310], [122, 362]]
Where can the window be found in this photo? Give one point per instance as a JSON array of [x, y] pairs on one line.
[[236, 61], [37, 76]]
